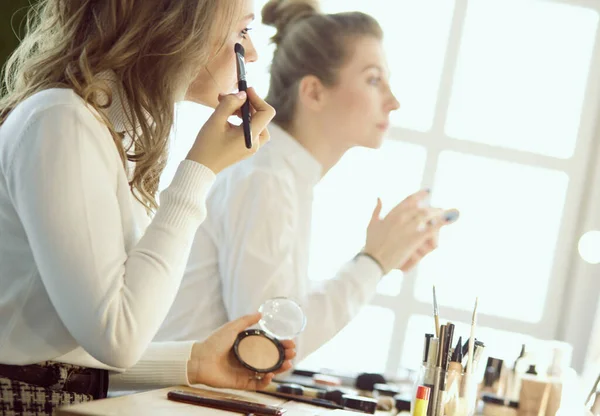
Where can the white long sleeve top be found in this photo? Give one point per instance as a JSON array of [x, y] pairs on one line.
[[254, 245], [86, 276]]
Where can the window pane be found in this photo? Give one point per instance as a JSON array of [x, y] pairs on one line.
[[346, 197], [498, 344], [415, 39], [258, 72], [521, 76], [189, 119], [502, 247], [362, 346]]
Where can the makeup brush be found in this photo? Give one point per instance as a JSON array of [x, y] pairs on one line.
[[436, 314], [240, 54], [472, 339], [335, 396]]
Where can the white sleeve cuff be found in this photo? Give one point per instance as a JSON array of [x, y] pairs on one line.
[[183, 203], [368, 271], [163, 364]]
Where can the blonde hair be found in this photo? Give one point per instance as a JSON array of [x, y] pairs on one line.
[[309, 43], [154, 47]]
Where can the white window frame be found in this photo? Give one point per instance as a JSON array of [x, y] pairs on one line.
[[569, 310]]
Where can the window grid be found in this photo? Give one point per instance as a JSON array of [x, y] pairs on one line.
[[435, 141]]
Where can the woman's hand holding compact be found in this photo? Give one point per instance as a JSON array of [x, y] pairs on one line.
[[213, 363]]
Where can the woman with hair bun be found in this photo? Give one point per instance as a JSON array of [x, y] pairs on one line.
[[330, 87]]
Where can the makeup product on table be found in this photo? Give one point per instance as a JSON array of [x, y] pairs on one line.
[[385, 393], [469, 371], [327, 404], [498, 406], [365, 382], [232, 405], [387, 390], [402, 403], [452, 392], [259, 350], [534, 396], [432, 354], [472, 340], [325, 380], [426, 347], [439, 376], [479, 348], [243, 86], [562, 354], [492, 376], [449, 341], [455, 367], [422, 401], [359, 403], [334, 396], [436, 314]]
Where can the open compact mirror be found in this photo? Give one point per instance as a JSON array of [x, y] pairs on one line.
[[259, 350]]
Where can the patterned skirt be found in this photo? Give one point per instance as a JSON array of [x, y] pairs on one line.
[[40, 389]]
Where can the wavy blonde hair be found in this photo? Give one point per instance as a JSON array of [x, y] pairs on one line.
[[154, 47]]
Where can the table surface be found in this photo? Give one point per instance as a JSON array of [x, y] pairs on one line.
[[155, 402]]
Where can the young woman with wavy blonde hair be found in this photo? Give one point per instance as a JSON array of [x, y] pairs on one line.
[[89, 261]]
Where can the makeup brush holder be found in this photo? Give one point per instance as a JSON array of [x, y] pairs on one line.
[[455, 394]]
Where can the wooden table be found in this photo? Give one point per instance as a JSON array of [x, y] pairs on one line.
[[155, 403]]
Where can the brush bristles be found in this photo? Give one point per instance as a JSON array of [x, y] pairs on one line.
[[240, 49]]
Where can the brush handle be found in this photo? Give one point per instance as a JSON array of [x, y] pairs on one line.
[[437, 326], [471, 351], [243, 86], [237, 406]]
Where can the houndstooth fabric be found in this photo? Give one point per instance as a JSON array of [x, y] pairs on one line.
[[23, 399]]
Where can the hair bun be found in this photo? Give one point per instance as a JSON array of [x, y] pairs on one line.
[[281, 14]]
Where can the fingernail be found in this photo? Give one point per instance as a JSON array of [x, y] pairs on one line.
[[428, 190], [241, 95], [451, 216]]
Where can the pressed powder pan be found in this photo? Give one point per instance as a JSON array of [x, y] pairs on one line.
[[258, 351]]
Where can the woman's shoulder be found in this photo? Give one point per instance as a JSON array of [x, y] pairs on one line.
[[58, 115], [61, 104]]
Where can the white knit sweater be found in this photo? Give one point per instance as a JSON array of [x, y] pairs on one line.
[[86, 277]]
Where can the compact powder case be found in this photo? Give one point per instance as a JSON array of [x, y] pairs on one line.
[[260, 350]]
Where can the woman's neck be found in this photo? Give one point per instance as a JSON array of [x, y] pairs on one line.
[[321, 145]]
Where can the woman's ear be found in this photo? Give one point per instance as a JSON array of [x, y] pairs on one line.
[[312, 92]]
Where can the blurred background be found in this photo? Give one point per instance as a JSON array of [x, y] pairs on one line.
[[500, 118]]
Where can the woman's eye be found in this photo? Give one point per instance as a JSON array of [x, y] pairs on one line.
[[374, 80], [244, 32]]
